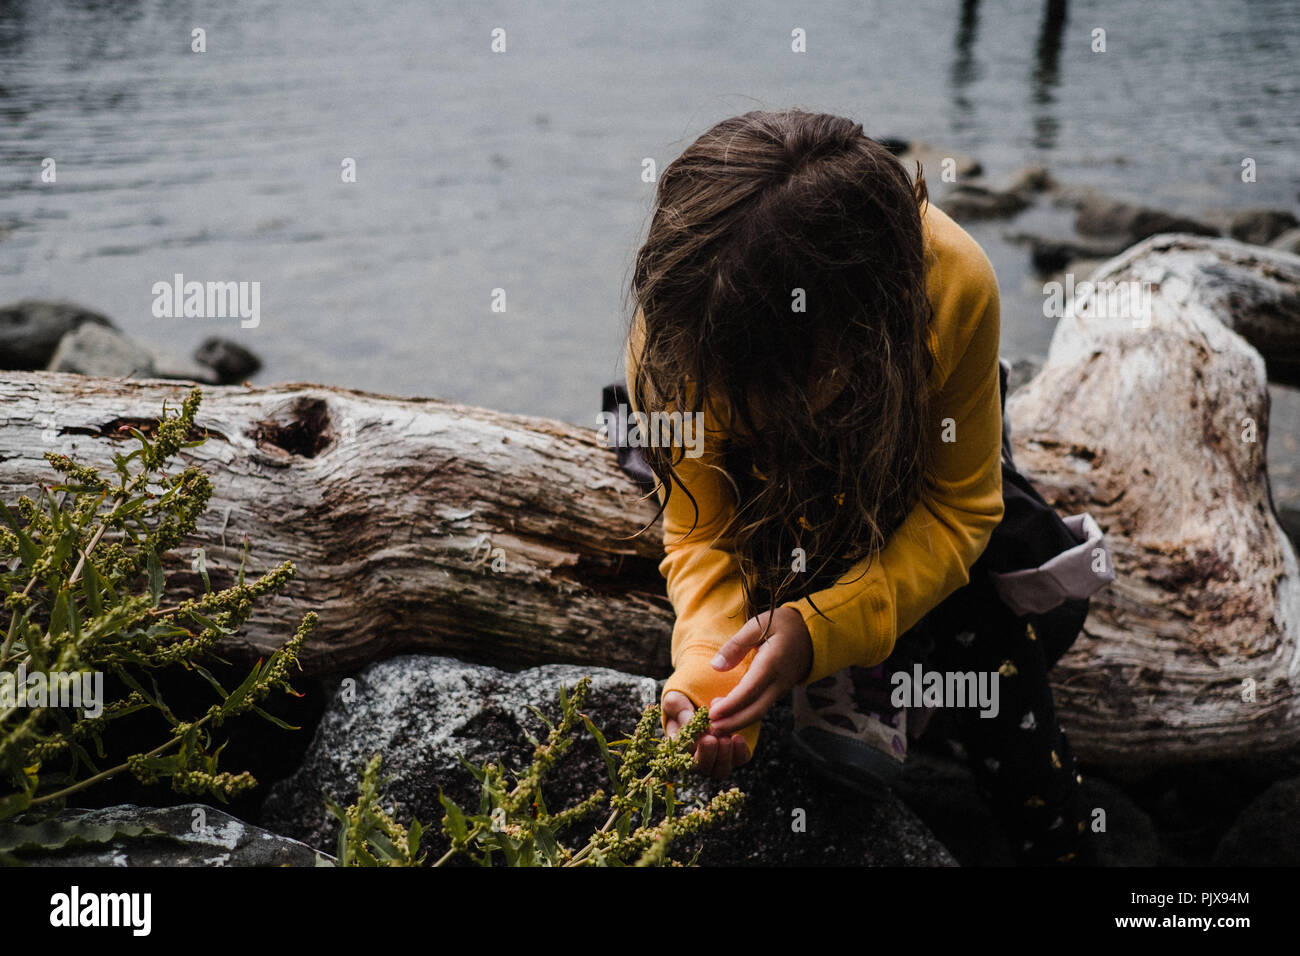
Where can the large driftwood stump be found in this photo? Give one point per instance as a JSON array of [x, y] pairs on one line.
[[1160, 432], [415, 525]]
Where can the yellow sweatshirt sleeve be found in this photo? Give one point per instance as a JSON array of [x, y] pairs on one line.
[[700, 568], [930, 554]]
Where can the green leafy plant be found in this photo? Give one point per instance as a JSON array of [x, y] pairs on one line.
[[513, 825], [82, 580]]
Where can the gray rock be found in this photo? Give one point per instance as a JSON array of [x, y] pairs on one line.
[[231, 362], [1101, 216], [168, 836], [1289, 241], [1053, 255], [1023, 370], [970, 202], [1030, 180], [932, 158], [420, 712], [30, 331], [946, 796], [841, 826], [1129, 837], [1267, 833], [1260, 226], [974, 201], [102, 351], [166, 365]]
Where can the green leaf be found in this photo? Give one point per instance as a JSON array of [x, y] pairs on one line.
[[282, 724], [547, 844], [342, 816], [92, 586], [477, 772], [63, 547], [129, 507], [542, 717], [385, 849], [129, 679], [155, 578], [60, 615], [413, 837], [240, 693], [207, 675], [210, 623], [455, 817], [140, 437], [363, 857], [611, 764], [509, 848], [27, 549]]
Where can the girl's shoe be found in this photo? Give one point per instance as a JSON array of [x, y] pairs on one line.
[[846, 729]]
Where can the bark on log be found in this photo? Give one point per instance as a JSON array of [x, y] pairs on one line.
[[415, 525], [1149, 430]]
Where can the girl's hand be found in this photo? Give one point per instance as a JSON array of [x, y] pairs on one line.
[[782, 660], [715, 754]]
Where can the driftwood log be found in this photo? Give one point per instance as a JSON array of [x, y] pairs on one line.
[[415, 525], [1157, 425], [419, 525]]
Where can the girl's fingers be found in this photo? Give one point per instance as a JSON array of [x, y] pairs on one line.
[[750, 713], [706, 753], [739, 644], [722, 762], [748, 690], [739, 750], [678, 710], [732, 753]]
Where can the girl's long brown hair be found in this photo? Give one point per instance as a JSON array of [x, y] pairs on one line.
[[826, 408]]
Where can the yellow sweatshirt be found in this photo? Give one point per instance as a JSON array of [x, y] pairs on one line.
[[929, 555]]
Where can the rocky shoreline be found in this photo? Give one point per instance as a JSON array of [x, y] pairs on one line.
[[423, 711]]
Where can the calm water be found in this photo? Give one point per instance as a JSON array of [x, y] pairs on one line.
[[522, 170]]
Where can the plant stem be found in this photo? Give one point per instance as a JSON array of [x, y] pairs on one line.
[[85, 554], [103, 775], [13, 624], [456, 849]]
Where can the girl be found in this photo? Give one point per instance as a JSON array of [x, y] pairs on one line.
[[840, 336]]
